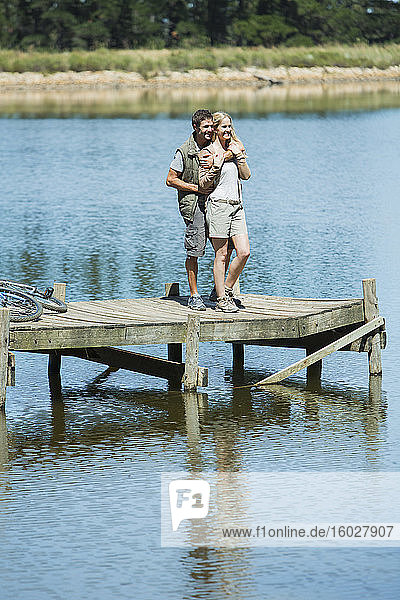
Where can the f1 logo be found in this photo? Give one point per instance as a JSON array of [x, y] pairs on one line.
[[189, 499]]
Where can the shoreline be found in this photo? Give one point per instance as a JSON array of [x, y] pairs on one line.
[[250, 76]]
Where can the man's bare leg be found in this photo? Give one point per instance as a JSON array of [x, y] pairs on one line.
[[191, 270]]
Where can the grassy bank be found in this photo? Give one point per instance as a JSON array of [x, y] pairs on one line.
[[150, 62]]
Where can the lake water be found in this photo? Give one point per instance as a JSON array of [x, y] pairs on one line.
[[83, 200]]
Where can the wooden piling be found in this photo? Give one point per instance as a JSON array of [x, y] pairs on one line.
[[371, 311], [11, 370], [174, 350], [237, 358], [60, 291], [192, 353], [4, 342], [375, 391], [54, 366]]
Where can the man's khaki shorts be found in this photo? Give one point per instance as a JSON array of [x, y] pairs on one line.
[[225, 220], [196, 234]]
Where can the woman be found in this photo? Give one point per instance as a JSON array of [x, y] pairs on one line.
[[222, 165]]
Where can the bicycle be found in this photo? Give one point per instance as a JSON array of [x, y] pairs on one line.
[[22, 307], [23, 310]]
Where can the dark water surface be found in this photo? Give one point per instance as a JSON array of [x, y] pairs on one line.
[[84, 201]]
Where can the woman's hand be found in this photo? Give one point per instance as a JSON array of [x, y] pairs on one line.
[[228, 155], [236, 147]]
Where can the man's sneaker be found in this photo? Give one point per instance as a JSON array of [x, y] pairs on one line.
[[231, 296], [226, 305], [196, 303], [213, 296]]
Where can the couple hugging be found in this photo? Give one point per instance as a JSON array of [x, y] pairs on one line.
[[206, 171]]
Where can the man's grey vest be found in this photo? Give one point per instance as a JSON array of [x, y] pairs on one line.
[[190, 174]]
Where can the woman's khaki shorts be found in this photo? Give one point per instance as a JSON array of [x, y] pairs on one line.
[[225, 220]]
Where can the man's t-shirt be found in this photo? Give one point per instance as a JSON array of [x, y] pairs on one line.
[[177, 163]]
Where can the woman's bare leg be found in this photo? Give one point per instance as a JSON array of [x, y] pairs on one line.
[[220, 246], [242, 247]]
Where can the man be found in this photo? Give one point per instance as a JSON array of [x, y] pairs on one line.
[[183, 175]]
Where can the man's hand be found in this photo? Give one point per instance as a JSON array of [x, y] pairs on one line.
[[219, 158], [206, 161], [174, 180]]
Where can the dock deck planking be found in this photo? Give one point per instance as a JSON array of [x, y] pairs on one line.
[[164, 320]]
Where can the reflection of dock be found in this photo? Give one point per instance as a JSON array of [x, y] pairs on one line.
[[90, 330]]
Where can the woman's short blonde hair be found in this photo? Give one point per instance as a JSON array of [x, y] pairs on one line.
[[220, 116]]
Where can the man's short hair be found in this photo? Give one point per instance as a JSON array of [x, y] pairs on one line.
[[199, 116]]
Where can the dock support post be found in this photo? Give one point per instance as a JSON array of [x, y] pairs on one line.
[[174, 350], [371, 310], [375, 391], [4, 342], [192, 353], [54, 367], [314, 371], [238, 358]]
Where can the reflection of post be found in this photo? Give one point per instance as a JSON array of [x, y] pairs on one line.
[[202, 403], [3, 440], [4, 341], [371, 311], [192, 353], [54, 367], [58, 417], [373, 417], [311, 411], [242, 402], [190, 400], [192, 415], [314, 372]]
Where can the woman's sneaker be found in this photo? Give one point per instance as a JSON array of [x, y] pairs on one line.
[[196, 303], [231, 296], [226, 305]]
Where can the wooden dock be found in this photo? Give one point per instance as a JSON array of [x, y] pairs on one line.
[[95, 330]]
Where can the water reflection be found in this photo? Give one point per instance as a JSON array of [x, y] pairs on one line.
[[351, 417], [223, 570], [3, 441], [256, 100]]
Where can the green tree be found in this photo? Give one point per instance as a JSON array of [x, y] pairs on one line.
[[262, 30], [9, 24]]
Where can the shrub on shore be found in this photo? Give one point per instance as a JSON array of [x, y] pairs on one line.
[[151, 62]]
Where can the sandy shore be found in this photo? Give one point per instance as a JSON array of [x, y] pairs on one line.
[[223, 76]]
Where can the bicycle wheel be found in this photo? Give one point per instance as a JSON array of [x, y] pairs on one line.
[[22, 307], [51, 303]]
